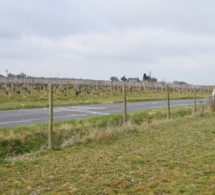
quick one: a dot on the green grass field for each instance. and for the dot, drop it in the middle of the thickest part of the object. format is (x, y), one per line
(151, 155)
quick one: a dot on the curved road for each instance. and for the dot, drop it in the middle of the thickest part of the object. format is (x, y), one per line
(14, 118)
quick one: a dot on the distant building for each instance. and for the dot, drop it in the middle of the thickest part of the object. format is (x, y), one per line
(6, 72)
(134, 79)
(114, 78)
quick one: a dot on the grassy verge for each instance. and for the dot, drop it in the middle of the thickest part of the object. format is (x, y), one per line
(36, 100)
(151, 155)
(25, 139)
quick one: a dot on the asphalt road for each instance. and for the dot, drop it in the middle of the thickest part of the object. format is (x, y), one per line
(14, 118)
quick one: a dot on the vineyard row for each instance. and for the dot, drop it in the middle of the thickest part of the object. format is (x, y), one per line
(66, 86)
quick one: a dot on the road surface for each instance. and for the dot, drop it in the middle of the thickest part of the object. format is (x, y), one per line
(14, 118)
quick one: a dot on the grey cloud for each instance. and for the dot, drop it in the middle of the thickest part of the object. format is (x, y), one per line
(46, 18)
(60, 18)
(97, 35)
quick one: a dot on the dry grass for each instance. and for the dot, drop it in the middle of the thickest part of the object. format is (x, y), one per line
(98, 134)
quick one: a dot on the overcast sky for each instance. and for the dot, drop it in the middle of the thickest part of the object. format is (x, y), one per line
(97, 39)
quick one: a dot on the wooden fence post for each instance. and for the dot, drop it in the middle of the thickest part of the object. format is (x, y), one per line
(124, 104)
(67, 88)
(195, 99)
(12, 87)
(111, 87)
(132, 87)
(139, 89)
(50, 116)
(168, 102)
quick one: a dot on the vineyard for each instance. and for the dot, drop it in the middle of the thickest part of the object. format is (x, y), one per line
(66, 86)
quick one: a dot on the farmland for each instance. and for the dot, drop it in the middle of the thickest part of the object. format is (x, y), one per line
(33, 93)
(65, 86)
(150, 155)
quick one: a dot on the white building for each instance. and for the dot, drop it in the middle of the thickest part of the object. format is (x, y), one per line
(6, 72)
